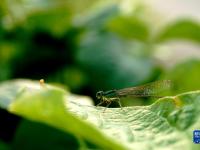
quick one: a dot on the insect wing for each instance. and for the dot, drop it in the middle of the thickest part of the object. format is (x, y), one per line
(148, 90)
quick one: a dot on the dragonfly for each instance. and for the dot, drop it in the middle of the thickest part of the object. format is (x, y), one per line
(147, 90)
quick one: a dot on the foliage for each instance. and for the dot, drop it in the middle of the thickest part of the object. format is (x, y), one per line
(182, 83)
(84, 48)
(183, 29)
(171, 119)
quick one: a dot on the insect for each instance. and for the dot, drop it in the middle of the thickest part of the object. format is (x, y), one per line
(147, 90)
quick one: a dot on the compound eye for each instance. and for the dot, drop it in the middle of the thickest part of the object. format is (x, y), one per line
(99, 94)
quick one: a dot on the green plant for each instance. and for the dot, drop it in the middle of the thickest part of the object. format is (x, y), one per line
(169, 122)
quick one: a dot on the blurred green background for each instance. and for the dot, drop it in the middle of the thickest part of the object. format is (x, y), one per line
(87, 46)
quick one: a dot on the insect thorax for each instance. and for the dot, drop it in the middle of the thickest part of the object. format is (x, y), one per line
(110, 94)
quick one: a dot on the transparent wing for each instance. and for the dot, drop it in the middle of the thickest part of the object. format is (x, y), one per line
(148, 90)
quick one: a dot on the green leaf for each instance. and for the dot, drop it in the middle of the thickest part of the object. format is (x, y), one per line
(47, 104)
(129, 27)
(183, 29)
(183, 80)
(111, 61)
(167, 123)
(54, 20)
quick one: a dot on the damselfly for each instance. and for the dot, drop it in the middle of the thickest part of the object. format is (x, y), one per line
(148, 90)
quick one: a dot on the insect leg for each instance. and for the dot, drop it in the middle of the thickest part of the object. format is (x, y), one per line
(118, 101)
(108, 104)
(100, 103)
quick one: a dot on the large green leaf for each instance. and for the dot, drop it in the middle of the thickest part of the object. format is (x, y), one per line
(166, 124)
(47, 105)
(111, 61)
(183, 29)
